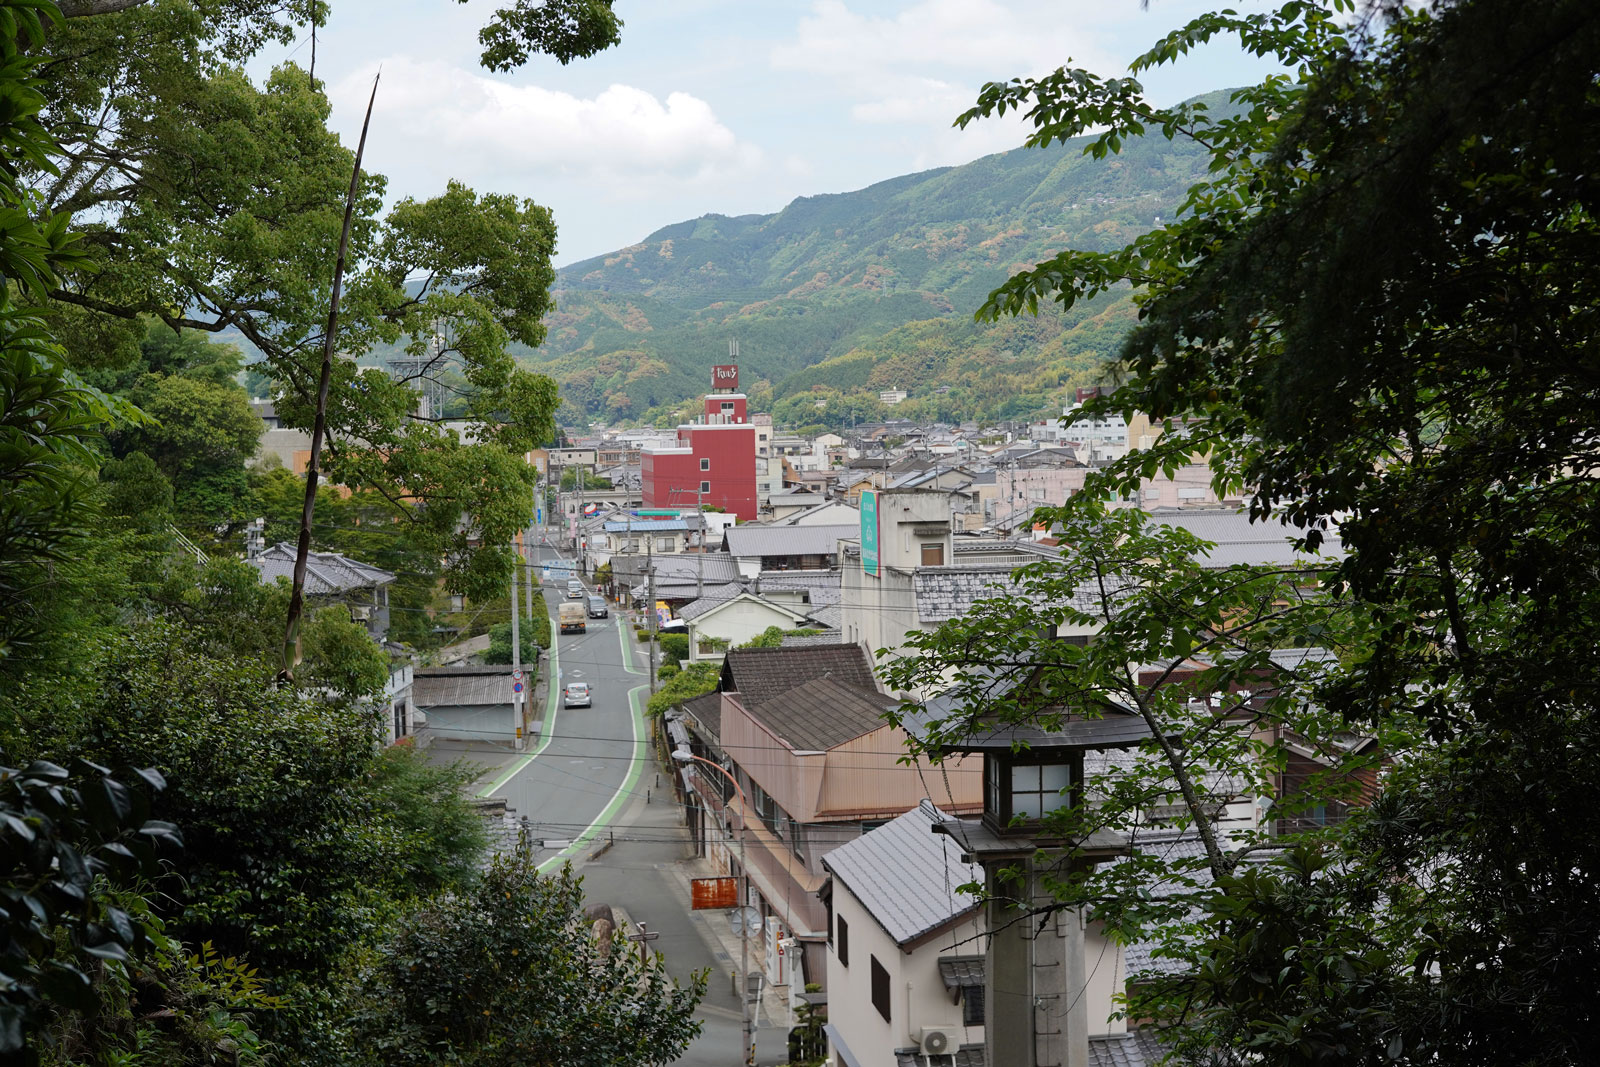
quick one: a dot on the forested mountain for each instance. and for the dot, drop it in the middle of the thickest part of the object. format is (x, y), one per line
(866, 290)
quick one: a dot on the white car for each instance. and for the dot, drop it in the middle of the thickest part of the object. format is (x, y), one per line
(576, 695)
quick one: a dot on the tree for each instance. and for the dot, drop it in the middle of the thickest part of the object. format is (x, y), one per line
(1376, 315)
(229, 222)
(535, 634)
(512, 973)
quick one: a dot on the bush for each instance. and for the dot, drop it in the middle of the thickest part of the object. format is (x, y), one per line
(535, 635)
(674, 646)
(694, 680)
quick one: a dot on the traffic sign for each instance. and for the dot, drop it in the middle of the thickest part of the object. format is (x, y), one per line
(516, 687)
(516, 675)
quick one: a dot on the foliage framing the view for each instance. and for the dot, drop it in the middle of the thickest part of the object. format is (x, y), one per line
(1377, 315)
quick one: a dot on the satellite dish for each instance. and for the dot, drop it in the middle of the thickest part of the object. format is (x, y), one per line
(740, 916)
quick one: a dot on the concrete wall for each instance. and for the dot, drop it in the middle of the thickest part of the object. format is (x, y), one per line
(738, 621)
(917, 996)
(470, 722)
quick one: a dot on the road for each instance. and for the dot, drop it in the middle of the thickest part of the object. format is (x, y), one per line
(592, 792)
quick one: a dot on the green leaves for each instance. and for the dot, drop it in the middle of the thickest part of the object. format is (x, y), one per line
(511, 972)
(563, 29)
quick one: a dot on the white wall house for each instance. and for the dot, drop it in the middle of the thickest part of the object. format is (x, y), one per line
(735, 620)
(905, 949)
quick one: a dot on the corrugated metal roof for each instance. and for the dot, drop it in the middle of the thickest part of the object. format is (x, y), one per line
(441, 687)
(752, 540)
(905, 875)
(821, 714)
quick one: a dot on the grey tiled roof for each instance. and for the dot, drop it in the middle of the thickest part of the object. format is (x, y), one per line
(831, 616)
(822, 713)
(706, 710)
(945, 593)
(905, 875)
(715, 596)
(958, 971)
(760, 674)
(441, 687)
(327, 573)
(1136, 1048)
(965, 1056)
(753, 540)
(826, 637)
(821, 586)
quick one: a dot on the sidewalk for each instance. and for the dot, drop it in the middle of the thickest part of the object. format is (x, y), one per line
(644, 875)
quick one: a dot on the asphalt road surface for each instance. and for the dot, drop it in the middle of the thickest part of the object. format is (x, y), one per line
(592, 794)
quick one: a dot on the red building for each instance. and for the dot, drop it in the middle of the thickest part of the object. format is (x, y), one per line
(714, 462)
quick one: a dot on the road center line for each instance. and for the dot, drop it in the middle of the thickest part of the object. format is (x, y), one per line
(551, 703)
(620, 797)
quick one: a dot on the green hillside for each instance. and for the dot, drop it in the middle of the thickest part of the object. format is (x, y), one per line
(854, 292)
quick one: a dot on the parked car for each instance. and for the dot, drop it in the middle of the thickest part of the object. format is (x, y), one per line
(598, 608)
(575, 589)
(576, 695)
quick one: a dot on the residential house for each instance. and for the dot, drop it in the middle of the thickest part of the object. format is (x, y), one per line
(332, 578)
(802, 731)
(905, 946)
(760, 548)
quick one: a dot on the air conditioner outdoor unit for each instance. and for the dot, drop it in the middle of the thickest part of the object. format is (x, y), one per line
(937, 1040)
(360, 614)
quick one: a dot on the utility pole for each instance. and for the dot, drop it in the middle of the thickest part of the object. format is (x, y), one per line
(535, 594)
(650, 575)
(700, 559)
(516, 651)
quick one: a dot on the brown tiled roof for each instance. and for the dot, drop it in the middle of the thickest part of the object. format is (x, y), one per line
(706, 710)
(760, 674)
(822, 713)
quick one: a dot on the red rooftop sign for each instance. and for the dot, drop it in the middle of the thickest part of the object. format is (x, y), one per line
(725, 376)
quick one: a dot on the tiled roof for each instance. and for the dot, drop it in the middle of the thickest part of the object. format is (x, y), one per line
(759, 674)
(958, 971)
(831, 616)
(1136, 1048)
(715, 596)
(905, 875)
(753, 540)
(822, 587)
(441, 687)
(945, 593)
(821, 713)
(327, 573)
(965, 1056)
(826, 637)
(706, 710)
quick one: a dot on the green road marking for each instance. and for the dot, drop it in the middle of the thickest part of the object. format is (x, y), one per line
(620, 797)
(551, 702)
(624, 633)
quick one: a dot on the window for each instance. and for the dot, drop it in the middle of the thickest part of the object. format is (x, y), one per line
(705, 464)
(880, 989)
(841, 941)
(972, 1005)
(933, 554)
(1039, 788)
(705, 487)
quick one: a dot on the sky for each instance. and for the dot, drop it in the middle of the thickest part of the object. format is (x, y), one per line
(717, 106)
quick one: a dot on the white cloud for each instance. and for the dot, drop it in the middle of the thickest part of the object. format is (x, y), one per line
(449, 119)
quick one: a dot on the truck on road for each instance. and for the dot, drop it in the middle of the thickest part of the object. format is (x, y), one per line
(574, 617)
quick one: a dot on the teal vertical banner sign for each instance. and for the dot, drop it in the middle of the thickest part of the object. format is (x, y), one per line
(869, 532)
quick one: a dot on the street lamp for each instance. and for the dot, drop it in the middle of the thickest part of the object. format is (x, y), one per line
(682, 756)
